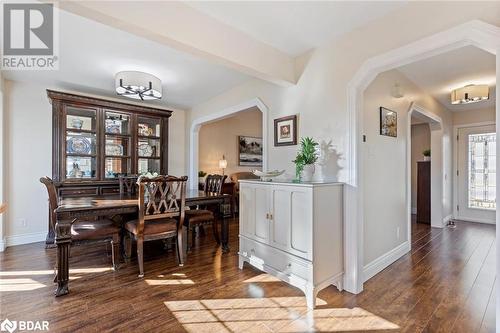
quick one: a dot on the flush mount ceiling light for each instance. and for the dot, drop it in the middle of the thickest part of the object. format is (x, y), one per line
(138, 85)
(470, 94)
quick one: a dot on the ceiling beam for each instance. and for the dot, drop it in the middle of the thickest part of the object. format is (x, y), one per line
(182, 27)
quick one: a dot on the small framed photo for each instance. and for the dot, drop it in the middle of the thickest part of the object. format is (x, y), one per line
(388, 122)
(285, 131)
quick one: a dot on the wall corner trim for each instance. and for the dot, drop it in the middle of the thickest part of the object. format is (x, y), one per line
(379, 264)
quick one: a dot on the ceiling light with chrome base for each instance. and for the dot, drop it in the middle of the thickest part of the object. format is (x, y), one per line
(138, 85)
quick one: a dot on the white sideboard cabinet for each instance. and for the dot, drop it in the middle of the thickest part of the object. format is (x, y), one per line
(293, 231)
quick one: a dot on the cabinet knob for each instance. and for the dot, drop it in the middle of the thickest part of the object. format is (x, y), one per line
(267, 216)
(270, 216)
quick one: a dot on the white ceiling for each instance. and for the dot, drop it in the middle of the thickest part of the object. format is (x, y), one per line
(295, 27)
(92, 53)
(439, 75)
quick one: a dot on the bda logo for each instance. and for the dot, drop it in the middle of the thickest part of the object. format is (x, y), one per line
(8, 325)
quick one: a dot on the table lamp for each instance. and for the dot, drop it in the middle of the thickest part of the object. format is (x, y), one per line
(223, 164)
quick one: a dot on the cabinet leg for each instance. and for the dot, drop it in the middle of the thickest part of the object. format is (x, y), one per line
(240, 262)
(311, 293)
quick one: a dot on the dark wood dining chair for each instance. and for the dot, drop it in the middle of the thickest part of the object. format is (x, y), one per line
(196, 218)
(161, 214)
(100, 230)
(128, 184)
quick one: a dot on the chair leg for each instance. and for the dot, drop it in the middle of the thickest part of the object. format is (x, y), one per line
(180, 248)
(216, 231)
(187, 238)
(140, 256)
(127, 247)
(115, 252)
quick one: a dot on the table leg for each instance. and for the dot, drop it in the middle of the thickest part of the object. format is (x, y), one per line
(63, 242)
(224, 231)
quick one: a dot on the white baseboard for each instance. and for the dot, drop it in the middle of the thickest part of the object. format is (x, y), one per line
(379, 264)
(25, 238)
(474, 220)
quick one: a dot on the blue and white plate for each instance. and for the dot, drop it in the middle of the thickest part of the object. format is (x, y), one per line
(79, 145)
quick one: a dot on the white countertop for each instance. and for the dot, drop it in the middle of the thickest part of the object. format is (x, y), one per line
(290, 183)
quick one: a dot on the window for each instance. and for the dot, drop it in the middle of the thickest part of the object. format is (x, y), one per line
(482, 171)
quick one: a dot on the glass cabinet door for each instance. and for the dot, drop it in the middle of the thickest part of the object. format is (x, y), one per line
(148, 145)
(81, 143)
(117, 147)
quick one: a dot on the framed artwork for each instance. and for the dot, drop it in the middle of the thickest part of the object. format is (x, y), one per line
(250, 151)
(388, 122)
(285, 131)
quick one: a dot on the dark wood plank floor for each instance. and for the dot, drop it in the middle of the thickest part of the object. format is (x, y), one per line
(446, 284)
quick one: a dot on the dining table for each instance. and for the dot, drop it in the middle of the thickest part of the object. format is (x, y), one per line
(72, 209)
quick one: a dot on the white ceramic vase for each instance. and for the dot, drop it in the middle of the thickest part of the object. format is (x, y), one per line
(308, 172)
(427, 158)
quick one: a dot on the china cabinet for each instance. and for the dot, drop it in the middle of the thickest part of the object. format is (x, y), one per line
(96, 140)
(293, 231)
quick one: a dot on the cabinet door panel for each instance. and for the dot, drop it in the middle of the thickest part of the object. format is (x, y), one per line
(301, 223)
(280, 224)
(261, 212)
(247, 211)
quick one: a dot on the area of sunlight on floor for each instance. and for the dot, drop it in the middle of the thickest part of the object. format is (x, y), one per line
(22, 281)
(19, 284)
(273, 314)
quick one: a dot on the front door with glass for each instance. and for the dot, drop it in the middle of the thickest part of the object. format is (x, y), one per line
(476, 186)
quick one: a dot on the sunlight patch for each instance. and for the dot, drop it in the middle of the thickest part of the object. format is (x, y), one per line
(274, 314)
(19, 285)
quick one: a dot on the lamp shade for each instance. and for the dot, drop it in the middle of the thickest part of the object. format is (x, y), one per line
(470, 94)
(223, 163)
(138, 85)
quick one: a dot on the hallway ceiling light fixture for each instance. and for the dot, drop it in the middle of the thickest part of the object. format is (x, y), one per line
(470, 94)
(138, 85)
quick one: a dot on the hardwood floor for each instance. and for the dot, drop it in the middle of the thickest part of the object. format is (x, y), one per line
(446, 284)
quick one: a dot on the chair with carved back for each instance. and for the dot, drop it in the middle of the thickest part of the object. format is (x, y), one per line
(128, 184)
(99, 230)
(161, 214)
(200, 217)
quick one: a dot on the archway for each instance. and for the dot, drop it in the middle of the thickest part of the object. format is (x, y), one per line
(437, 166)
(197, 123)
(475, 33)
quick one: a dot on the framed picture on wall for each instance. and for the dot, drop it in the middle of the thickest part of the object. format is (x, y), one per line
(250, 151)
(388, 122)
(285, 131)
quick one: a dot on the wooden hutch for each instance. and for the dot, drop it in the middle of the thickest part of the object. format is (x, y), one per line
(96, 140)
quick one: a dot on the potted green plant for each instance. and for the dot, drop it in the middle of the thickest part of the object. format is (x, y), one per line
(201, 177)
(427, 155)
(305, 159)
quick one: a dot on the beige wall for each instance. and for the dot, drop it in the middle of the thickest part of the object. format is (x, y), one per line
(221, 138)
(384, 159)
(420, 141)
(474, 116)
(28, 149)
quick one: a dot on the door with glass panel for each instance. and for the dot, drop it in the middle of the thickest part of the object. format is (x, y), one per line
(476, 186)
